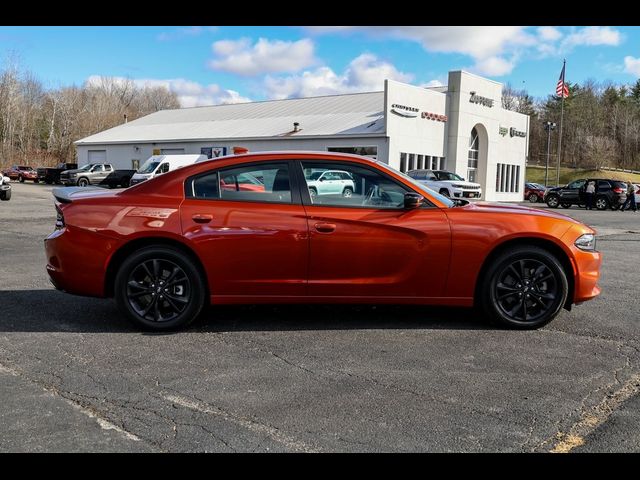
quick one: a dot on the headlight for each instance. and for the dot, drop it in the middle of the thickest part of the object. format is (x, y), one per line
(586, 242)
(456, 186)
(73, 174)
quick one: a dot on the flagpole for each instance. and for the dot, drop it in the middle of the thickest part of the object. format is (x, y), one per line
(564, 64)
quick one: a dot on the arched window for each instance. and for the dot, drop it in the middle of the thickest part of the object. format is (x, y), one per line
(474, 150)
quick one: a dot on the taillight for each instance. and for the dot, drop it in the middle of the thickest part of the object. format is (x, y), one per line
(619, 190)
(59, 218)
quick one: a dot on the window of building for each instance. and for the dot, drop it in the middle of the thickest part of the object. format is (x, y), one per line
(507, 178)
(171, 151)
(474, 150)
(370, 151)
(135, 164)
(412, 165)
(403, 162)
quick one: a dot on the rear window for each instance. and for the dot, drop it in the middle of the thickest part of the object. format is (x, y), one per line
(620, 185)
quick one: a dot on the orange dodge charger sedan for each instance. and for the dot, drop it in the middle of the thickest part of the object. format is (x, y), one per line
(246, 229)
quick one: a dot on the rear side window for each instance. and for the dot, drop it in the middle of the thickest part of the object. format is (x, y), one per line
(250, 183)
(603, 185)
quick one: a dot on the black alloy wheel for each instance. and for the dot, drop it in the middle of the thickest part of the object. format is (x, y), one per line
(526, 288)
(160, 288)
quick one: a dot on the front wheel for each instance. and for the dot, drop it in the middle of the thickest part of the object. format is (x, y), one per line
(553, 201)
(524, 288)
(444, 191)
(21, 179)
(83, 182)
(159, 288)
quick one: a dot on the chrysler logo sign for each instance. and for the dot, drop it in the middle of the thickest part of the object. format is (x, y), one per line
(404, 111)
(487, 102)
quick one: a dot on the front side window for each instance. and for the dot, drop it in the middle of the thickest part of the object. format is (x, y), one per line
(98, 168)
(352, 186)
(164, 168)
(448, 176)
(250, 183)
(577, 184)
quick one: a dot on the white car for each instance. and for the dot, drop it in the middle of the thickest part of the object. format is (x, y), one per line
(331, 182)
(447, 183)
(5, 188)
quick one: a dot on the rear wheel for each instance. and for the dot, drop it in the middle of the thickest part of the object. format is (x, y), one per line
(159, 288)
(553, 201)
(21, 179)
(602, 203)
(524, 288)
(533, 198)
(347, 192)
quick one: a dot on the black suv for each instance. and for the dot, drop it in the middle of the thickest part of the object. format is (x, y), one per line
(609, 194)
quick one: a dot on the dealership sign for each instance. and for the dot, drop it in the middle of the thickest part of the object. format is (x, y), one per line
(517, 133)
(404, 111)
(434, 116)
(487, 102)
(504, 131)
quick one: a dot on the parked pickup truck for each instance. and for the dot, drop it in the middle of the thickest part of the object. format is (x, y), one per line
(97, 174)
(52, 175)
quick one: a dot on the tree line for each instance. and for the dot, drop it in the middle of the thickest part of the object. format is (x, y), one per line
(601, 126)
(38, 126)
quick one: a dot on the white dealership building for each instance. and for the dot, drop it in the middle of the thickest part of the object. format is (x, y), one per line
(460, 127)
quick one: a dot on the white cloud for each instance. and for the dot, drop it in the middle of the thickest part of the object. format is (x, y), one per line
(189, 93)
(632, 65)
(549, 34)
(265, 56)
(432, 83)
(493, 66)
(364, 73)
(185, 32)
(593, 36)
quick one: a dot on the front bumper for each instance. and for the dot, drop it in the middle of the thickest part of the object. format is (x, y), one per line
(470, 194)
(69, 182)
(586, 268)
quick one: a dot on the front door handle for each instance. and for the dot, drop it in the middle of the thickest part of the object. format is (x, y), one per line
(325, 227)
(202, 218)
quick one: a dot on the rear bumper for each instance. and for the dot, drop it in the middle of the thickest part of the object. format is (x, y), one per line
(76, 261)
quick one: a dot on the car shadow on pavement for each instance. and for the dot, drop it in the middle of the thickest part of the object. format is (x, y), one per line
(53, 311)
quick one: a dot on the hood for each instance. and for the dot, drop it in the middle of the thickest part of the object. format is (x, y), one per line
(517, 209)
(67, 172)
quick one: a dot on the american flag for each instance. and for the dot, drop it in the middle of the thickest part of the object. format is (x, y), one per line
(562, 89)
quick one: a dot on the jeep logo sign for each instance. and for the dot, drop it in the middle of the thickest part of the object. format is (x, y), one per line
(517, 133)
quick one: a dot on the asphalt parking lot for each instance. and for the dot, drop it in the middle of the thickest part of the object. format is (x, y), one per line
(75, 376)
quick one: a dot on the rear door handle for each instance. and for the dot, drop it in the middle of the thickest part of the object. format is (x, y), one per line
(325, 227)
(202, 218)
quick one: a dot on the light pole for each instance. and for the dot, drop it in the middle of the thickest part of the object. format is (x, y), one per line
(548, 126)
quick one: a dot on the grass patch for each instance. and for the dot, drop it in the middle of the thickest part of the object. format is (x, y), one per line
(536, 175)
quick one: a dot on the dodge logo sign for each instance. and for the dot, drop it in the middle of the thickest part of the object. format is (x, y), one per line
(434, 116)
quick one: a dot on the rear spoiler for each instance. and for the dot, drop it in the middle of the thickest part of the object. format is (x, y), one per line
(64, 194)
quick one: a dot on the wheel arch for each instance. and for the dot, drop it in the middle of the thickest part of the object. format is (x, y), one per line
(546, 244)
(136, 244)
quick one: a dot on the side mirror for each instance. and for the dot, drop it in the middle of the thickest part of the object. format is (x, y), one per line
(322, 179)
(413, 200)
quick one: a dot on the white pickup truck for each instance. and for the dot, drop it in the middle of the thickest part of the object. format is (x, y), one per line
(447, 183)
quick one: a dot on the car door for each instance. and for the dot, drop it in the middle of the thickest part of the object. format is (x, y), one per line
(252, 238)
(571, 193)
(367, 245)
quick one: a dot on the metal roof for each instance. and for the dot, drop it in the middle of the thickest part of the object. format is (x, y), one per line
(336, 115)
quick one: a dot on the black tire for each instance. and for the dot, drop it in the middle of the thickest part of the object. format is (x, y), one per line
(48, 181)
(21, 179)
(565, 205)
(553, 201)
(347, 192)
(35, 180)
(533, 198)
(83, 182)
(138, 287)
(504, 288)
(313, 192)
(444, 191)
(5, 196)
(126, 183)
(602, 203)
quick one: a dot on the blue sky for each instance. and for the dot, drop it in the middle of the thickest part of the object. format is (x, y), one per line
(208, 65)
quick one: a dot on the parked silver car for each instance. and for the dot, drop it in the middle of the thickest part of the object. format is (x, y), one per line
(5, 188)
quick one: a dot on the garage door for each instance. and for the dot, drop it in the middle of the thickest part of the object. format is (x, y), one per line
(172, 151)
(97, 156)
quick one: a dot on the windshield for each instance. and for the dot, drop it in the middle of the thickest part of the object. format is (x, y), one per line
(419, 186)
(86, 167)
(443, 176)
(315, 176)
(149, 166)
